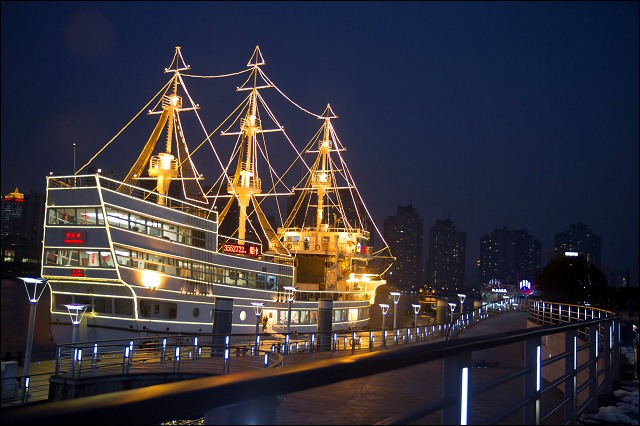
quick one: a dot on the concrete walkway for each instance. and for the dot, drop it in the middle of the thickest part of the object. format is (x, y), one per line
(372, 399)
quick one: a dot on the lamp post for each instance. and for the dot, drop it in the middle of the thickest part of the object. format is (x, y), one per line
(452, 306)
(76, 312)
(462, 297)
(416, 311)
(291, 294)
(396, 299)
(257, 308)
(35, 288)
(385, 309)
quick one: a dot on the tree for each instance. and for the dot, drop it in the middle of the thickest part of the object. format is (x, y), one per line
(572, 280)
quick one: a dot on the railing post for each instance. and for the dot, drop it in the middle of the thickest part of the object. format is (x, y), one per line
(570, 365)
(532, 380)
(94, 357)
(58, 354)
(616, 349)
(608, 346)
(125, 360)
(225, 363)
(456, 392)
(78, 359)
(176, 359)
(593, 368)
(73, 363)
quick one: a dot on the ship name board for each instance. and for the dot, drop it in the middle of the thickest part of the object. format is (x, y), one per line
(240, 249)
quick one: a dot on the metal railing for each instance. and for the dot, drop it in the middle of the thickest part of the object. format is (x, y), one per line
(587, 367)
(176, 353)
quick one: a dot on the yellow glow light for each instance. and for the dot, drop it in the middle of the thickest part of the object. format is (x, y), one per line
(150, 279)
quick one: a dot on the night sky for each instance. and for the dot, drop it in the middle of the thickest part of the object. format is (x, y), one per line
(512, 114)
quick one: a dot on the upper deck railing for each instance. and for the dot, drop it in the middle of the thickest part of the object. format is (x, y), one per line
(588, 365)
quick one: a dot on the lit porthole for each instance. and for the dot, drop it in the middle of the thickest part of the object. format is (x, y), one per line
(211, 314)
(196, 312)
(243, 315)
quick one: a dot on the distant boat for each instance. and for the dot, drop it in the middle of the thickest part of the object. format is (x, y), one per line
(151, 254)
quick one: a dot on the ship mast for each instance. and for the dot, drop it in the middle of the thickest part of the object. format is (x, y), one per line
(245, 183)
(163, 167)
(323, 177)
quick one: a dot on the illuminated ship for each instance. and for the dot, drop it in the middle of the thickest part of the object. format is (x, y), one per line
(159, 252)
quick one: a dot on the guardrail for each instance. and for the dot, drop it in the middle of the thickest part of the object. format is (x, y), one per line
(217, 354)
(588, 367)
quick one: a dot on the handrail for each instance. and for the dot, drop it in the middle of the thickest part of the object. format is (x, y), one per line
(233, 394)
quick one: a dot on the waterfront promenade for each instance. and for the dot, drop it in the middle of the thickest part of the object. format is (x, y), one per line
(367, 400)
(370, 399)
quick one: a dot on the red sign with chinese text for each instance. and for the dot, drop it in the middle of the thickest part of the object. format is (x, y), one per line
(240, 249)
(74, 237)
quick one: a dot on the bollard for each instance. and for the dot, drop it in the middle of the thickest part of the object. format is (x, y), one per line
(94, 357)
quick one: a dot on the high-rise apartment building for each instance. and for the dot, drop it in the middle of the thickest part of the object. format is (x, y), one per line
(22, 232)
(446, 260)
(12, 210)
(509, 256)
(580, 239)
(404, 233)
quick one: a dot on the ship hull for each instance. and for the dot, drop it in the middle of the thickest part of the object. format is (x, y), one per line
(144, 268)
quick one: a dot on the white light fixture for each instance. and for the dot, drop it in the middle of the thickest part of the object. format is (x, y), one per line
(76, 313)
(396, 298)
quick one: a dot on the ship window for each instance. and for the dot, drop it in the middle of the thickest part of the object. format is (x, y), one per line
(106, 259)
(170, 231)
(123, 306)
(117, 218)
(144, 309)
(155, 227)
(198, 238)
(138, 224)
(102, 305)
(86, 216)
(51, 257)
(196, 312)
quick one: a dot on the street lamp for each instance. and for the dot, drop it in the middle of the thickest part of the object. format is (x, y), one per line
(396, 299)
(291, 294)
(257, 308)
(35, 288)
(385, 309)
(452, 306)
(462, 297)
(76, 312)
(416, 311)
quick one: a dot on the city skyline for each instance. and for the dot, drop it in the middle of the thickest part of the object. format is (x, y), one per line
(522, 115)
